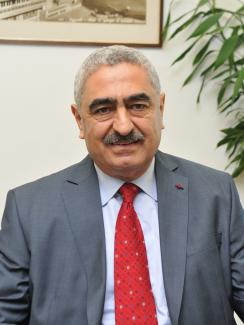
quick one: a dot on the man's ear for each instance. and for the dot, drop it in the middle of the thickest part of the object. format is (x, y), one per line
(79, 119)
(161, 108)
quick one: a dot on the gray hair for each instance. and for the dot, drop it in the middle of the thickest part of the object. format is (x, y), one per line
(112, 55)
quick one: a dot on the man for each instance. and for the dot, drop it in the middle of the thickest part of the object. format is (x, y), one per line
(130, 235)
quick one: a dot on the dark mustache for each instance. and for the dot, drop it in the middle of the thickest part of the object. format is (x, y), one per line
(116, 138)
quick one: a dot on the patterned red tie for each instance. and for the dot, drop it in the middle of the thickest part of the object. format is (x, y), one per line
(134, 301)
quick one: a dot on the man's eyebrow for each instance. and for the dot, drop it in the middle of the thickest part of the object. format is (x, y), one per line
(101, 101)
(139, 96)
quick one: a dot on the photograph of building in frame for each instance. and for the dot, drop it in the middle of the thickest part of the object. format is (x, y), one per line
(29, 20)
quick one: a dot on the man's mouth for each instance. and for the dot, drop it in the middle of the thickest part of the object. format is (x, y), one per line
(124, 143)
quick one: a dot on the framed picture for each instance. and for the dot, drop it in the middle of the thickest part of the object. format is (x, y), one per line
(131, 22)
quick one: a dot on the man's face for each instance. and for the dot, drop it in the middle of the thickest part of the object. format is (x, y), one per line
(119, 101)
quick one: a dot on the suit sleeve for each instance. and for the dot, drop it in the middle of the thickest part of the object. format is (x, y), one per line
(237, 252)
(14, 267)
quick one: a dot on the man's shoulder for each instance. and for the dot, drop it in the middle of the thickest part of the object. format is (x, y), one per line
(191, 169)
(55, 180)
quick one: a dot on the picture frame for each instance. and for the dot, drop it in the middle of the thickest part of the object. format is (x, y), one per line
(76, 22)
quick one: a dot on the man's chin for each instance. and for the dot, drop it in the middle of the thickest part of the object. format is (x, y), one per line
(126, 167)
(127, 162)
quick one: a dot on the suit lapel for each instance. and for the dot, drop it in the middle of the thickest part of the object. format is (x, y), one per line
(173, 219)
(83, 204)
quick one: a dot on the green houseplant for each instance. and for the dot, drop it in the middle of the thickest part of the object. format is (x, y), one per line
(216, 37)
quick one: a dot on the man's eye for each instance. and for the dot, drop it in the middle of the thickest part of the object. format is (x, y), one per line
(138, 107)
(103, 110)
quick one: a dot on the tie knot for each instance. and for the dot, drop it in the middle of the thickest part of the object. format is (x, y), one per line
(128, 192)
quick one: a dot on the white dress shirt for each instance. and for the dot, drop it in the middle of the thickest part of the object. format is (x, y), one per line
(146, 207)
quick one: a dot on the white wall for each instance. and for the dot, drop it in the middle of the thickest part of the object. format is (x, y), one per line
(38, 135)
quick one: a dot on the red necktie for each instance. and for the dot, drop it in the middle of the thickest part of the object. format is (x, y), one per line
(134, 301)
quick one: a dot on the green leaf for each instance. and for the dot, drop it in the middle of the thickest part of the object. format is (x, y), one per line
(185, 24)
(234, 146)
(191, 75)
(234, 140)
(222, 142)
(239, 62)
(201, 89)
(207, 70)
(166, 26)
(220, 74)
(226, 50)
(215, 31)
(228, 100)
(202, 51)
(241, 9)
(240, 41)
(182, 55)
(239, 157)
(238, 171)
(240, 167)
(238, 83)
(230, 103)
(232, 77)
(206, 24)
(222, 91)
(201, 3)
(182, 16)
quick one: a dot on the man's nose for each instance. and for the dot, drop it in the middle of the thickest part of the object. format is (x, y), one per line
(122, 121)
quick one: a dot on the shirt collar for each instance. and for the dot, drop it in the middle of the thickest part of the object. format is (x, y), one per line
(109, 186)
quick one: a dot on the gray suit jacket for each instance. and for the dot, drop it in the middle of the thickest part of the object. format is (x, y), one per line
(52, 247)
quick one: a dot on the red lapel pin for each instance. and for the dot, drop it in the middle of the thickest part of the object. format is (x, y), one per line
(179, 186)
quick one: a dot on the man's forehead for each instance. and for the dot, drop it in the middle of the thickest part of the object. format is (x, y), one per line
(127, 73)
(112, 67)
(132, 79)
